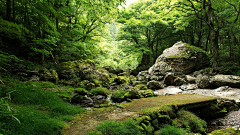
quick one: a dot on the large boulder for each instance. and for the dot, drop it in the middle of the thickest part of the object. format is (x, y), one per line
(184, 58)
(174, 63)
(225, 80)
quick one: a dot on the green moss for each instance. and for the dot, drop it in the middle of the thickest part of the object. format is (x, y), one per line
(100, 91)
(141, 87)
(228, 131)
(118, 95)
(190, 122)
(81, 91)
(147, 93)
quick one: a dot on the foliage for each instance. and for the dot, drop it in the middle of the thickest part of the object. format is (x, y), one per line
(190, 122)
(100, 91)
(170, 130)
(38, 110)
(127, 127)
(229, 67)
(228, 131)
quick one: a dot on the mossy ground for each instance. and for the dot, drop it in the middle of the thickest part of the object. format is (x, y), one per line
(144, 103)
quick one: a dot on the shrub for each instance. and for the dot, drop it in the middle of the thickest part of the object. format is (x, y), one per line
(190, 122)
(170, 130)
(100, 91)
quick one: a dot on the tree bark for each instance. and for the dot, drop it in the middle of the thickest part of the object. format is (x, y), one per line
(8, 11)
(213, 40)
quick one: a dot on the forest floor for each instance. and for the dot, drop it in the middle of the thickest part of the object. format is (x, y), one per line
(92, 117)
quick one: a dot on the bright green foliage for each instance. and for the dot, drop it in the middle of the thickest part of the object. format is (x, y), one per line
(37, 110)
(127, 127)
(100, 91)
(170, 130)
(228, 131)
(190, 122)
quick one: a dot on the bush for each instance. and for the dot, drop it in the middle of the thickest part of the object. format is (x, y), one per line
(100, 91)
(170, 130)
(190, 122)
(127, 127)
(118, 95)
(230, 68)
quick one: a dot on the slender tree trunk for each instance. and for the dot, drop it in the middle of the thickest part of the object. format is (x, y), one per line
(145, 60)
(213, 41)
(13, 7)
(8, 11)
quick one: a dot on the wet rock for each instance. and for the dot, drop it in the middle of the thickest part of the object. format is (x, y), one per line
(143, 76)
(189, 87)
(169, 79)
(190, 79)
(223, 88)
(203, 81)
(82, 100)
(225, 80)
(155, 85)
(179, 81)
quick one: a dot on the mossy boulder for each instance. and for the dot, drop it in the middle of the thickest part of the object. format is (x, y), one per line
(110, 69)
(86, 84)
(73, 69)
(147, 93)
(118, 95)
(48, 75)
(121, 80)
(132, 94)
(100, 91)
(141, 87)
(99, 76)
(184, 58)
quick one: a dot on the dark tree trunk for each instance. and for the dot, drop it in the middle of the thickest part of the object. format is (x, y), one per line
(13, 7)
(213, 41)
(145, 60)
(8, 11)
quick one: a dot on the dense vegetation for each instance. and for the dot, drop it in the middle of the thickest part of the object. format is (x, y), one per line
(39, 34)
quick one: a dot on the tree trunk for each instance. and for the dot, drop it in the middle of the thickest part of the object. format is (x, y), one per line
(145, 60)
(13, 7)
(8, 11)
(213, 40)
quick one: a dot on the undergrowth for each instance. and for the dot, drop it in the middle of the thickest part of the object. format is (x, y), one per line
(38, 111)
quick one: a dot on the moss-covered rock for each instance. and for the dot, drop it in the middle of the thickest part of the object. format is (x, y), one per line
(147, 93)
(100, 91)
(141, 87)
(73, 69)
(118, 95)
(154, 85)
(227, 131)
(86, 84)
(48, 75)
(121, 80)
(132, 94)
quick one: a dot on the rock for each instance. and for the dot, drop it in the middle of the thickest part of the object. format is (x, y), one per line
(48, 75)
(225, 80)
(121, 80)
(73, 69)
(172, 90)
(159, 68)
(179, 81)
(34, 78)
(143, 76)
(155, 85)
(82, 100)
(189, 87)
(141, 87)
(88, 109)
(203, 81)
(87, 84)
(221, 89)
(132, 94)
(169, 79)
(184, 58)
(147, 93)
(190, 79)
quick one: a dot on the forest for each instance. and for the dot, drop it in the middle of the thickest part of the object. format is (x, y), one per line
(40, 35)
